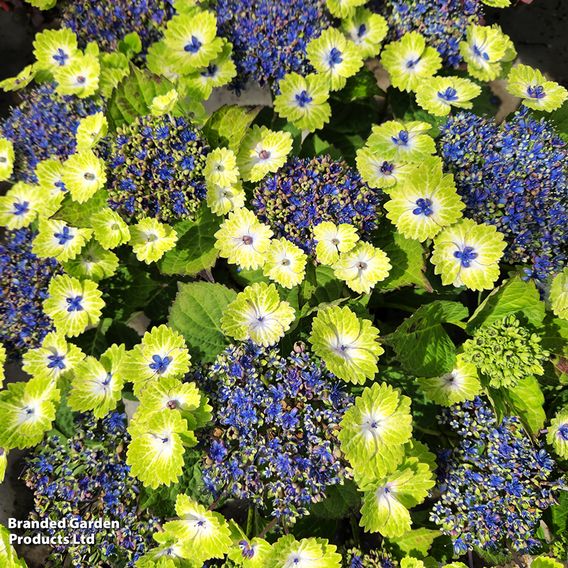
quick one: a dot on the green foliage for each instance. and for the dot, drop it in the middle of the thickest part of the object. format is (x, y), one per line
(228, 126)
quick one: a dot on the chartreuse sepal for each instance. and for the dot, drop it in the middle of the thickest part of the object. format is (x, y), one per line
(468, 254)
(557, 435)
(348, 345)
(3, 357)
(221, 167)
(59, 240)
(83, 175)
(155, 454)
(258, 314)
(304, 100)
(164, 104)
(537, 93)
(263, 151)
(425, 202)
(49, 175)
(285, 263)
(91, 130)
(191, 41)
(21, 80)
(97, 384)
(366, 30)
(439, 94)
(410, 61)
(80, 77)
(460, 384)
(27, 410)
(94, 262)
(167, 555)
(73, 305)
(334, 57)
(202, 534)
(151, 240)
(243, 240)
(6, 159)
(109, 228)
(362, 267)
(380, 172)
(254, 553)
(485, 50)
(55, 358)
(399, 141)
(386, 501)
(332, 240)
(375, 429)
(224, 199)
(54, 49)
(20, 206)
(559, 294)
(162, 353)
(287, 552)
(343, 8)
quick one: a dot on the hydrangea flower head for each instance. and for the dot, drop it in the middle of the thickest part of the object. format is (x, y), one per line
(379, 172)
(108, 24)
(503, 182)
(73, 305)
(263, 151)
(20, 206)
(320, 189)
(258, 314)
(80, 77)
(362, 267)
(468, 254)
(223, 199)
(221, 167)
(366, 30)
(243, 239)
(334, 57)
(424, 202)
(347, 344)
(261, 403)
(485, 50)
(460, 384)
(54, 49)
(304, 101)
(269, 38)
(25, 281)
(285, 263)
(402, 141)
(495, 484)
(287, 551)
(439, 94)
(43, 126)
(537, 93)
(91, 130)
(505, 352)
(443, 23)
(332, 240)
(150, 240)
(83, 175)
(156, 168)
(93, 263)
(409, 61)
(557, 435)
(109, 228)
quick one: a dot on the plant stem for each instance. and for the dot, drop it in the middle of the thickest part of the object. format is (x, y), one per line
(250, 519)
(269, 526)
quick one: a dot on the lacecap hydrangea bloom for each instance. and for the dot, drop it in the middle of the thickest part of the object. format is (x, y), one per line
(505, 352)
(43, 126)
(505, 183)
(108, 24)
(25, 282)
(495, 484)
(307, 191)
(86, 477)
(270, 38)
(261, 402)
(156, 168)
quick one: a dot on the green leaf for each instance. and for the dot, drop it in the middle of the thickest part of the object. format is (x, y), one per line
(416, 542)
(422, 344)
(340, 500)
(560, 514)
(196, 314)
(559, 118)
(195, 249)
(407, 259)
(515, 296)
(79, 214)
(131, 44)
(228, 125)
(321, 286)
(362, 86)
(526, 400)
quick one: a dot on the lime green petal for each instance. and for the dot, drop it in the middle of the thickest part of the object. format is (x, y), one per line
(379, 172)
(366, 30)
(334, 239)
(348, 345)
(288, 552)
(438, 95)
(109, 229)
(243, 240)
(49, 175)
(6, 159)
(221, 167)
(559, 294)
(169, 393)
(258, 314)
(224, 199)
(91, 130)
(285, 263)
(263, 151)
(251, 554)
(161, 354)
(56, 358)
(375, 429)
(21, 80)
(93, 263)
(557, 435)
(409, 61)
(398, 141)
(497, 3)
(54, 49)
(73, 305)
(537, 93)
(150, 240)
(20, 206)
(80, 77)
(164, 104)
(59, 240)
(83, 175)
(343, 8)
